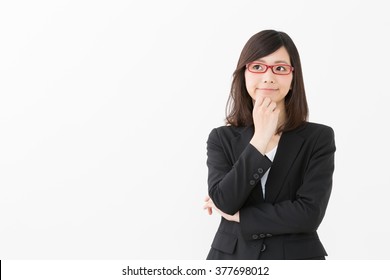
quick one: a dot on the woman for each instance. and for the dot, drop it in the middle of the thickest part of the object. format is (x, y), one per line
(270, 170)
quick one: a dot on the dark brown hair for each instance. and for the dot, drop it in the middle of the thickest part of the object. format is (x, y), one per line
(240, 106)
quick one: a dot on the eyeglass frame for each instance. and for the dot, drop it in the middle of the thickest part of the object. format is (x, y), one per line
(269, 66)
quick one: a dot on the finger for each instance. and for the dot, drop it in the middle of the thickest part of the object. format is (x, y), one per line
(259, 100)
(267, 102)
(208, 204)
(210, 201)
(209, 209)
(272, 106)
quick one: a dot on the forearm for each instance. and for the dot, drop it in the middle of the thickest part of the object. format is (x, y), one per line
(283, 218)
(230, 191)
(302, 214)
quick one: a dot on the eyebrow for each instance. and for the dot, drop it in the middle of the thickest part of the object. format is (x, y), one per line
(277, 61)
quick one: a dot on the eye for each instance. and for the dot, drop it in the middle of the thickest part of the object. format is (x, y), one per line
(256, 67)
(282, 69)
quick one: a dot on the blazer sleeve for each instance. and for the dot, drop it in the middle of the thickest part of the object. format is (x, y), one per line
(306, 212)
(230, 184)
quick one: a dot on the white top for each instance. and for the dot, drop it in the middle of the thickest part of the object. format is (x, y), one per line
(271, 156)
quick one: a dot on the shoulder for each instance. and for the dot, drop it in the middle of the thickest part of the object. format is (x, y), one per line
(317, 134)
(228, 132)
(310, 128)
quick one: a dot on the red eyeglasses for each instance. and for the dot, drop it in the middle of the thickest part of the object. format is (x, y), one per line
(278, 69)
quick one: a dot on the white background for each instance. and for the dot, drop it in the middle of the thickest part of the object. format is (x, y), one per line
(106, 106)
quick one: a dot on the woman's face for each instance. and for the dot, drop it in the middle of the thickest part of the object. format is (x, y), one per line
(268, 84)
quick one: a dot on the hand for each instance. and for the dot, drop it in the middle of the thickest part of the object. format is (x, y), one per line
(265, 118)
(209, 205)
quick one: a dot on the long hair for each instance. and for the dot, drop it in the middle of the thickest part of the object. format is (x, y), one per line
(240, 105)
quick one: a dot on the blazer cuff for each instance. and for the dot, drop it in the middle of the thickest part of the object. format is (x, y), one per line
(258, 164)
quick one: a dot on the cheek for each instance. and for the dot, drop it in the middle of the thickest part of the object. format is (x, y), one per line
(251, 89)
(290, 83)
(287, 83)
(250, 83)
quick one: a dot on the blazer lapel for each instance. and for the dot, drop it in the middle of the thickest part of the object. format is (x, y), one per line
(289, 145)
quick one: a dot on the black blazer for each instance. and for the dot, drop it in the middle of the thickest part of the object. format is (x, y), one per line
(283, 224)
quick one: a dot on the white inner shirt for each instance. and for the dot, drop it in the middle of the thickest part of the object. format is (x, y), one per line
(271, 156)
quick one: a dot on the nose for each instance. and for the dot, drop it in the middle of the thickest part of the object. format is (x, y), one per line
(268, 76)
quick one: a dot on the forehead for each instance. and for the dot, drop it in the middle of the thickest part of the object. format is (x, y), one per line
(279, 56)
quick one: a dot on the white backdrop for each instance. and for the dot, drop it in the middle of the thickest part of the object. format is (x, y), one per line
(106, 106)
